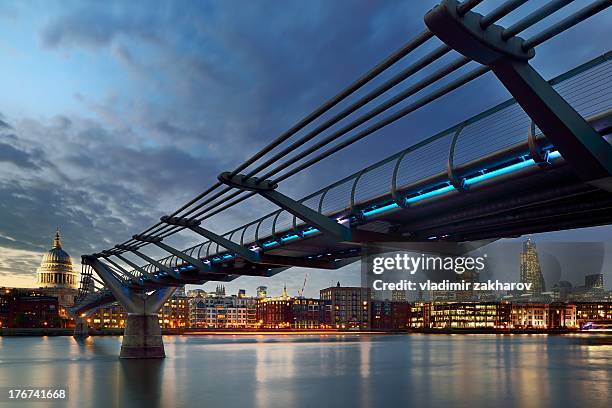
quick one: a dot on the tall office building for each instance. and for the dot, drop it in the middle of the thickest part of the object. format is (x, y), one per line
(531, 272)
(594, 281)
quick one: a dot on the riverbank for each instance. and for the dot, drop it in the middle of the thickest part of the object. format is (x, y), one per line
(208, 332)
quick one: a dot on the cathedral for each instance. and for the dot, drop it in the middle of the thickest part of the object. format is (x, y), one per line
(56, 276)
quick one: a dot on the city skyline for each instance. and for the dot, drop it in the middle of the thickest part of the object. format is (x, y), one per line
(101, 75)
(505, 262)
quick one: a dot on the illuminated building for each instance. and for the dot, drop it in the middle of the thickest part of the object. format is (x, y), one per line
(174, 313)
(385, 315)
(530, 315)
(275, 313)
(56, 278)
(531, 271)
(588, 313)
(28, 308)
(197, 310)
(562, 316)
(196, 292)
(5, 303)
(470, 315)
(56, 268)
(350, 306)
(109, 317)
(419, 315)
(311, 313)
(216, 310)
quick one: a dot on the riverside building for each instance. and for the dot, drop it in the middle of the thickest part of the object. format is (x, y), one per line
(350, 306)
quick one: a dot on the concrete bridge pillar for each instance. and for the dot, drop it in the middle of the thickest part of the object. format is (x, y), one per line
(81, 330)
(142, 335)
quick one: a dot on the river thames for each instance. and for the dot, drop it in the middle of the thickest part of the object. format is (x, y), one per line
(319, 371)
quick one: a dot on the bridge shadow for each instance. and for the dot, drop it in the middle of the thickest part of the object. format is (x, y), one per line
(141, 383)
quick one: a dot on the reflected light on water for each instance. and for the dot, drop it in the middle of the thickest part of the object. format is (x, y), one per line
(305, 371)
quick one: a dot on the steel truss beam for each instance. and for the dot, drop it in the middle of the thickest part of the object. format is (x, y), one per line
(160, 266)
(243, 252)
(508, 57)
(157, 241)
(140, 269)
(266, 189)
(132, 277)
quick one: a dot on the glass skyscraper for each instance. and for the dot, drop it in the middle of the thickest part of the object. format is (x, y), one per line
(531, 272)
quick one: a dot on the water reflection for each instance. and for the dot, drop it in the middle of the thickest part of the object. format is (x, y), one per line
(306, 371)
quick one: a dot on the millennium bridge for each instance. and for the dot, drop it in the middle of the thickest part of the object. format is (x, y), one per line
(541, 161)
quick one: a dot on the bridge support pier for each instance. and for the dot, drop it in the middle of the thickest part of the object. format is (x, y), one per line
(142, 335)
(81, 330)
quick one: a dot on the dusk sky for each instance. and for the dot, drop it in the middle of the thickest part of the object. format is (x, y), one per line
(115, 113)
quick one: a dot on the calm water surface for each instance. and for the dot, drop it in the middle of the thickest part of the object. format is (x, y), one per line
(320, 371)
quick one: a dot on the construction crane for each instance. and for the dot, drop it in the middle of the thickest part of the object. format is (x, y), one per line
(301, 291)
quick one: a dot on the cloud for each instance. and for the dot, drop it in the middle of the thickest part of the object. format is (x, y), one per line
(20, 158)
(15, 263)
(93, 27)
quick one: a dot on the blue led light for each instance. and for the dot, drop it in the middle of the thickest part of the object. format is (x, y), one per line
(310, 231)
(270, 244)
(289, 238)
(227, 256)
(429, 194)
(499, 172)
(379, 210)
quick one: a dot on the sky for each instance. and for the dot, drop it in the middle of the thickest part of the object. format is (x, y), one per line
(115, 113)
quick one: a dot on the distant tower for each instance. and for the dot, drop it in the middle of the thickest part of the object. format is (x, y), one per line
(594, 281)
(285, 294)
(531, 272)
(262, 292)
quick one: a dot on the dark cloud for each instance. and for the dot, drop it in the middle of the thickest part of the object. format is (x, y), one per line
(20, 158)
